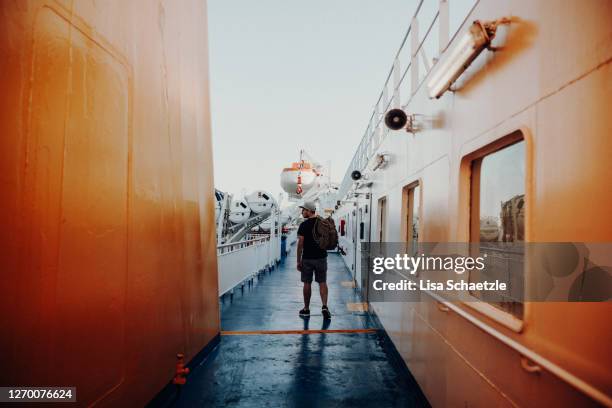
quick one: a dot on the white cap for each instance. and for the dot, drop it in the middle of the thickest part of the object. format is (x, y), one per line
(309, 205)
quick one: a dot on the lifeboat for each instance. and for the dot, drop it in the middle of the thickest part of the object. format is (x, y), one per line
(298, 179)
(285, 218)
(239, 211)
(489, 229)
(260, 201)
(265, 226)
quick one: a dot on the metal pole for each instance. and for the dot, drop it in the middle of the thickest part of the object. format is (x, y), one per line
(414, 58)
(396, 82)
(443, 25)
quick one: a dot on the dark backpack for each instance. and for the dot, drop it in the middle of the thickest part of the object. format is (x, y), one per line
(324, 233)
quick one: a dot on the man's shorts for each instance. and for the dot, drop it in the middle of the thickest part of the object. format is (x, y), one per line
(318, 266)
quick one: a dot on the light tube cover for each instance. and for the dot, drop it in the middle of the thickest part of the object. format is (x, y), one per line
(469, 46)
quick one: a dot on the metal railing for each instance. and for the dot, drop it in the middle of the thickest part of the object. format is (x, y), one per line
(239, 261)
(231, 247)
(448, 17)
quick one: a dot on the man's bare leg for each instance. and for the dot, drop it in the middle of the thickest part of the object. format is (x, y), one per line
(323, 292)
(307, 293)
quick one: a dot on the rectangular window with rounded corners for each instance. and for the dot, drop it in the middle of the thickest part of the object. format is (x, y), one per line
(497, 214)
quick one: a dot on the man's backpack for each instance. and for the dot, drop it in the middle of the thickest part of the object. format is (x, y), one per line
(324, 233)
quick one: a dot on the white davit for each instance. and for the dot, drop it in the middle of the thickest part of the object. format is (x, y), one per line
(239, 211)
(260, 201)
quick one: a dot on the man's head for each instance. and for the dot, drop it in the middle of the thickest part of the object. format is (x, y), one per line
(308, 209)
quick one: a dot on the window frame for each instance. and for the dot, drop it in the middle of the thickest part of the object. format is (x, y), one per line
(470, 205)
(408, 210)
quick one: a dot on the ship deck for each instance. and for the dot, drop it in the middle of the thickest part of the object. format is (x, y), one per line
(269, 356)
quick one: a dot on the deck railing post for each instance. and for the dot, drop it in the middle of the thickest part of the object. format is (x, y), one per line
(443, 25)
(396, 83)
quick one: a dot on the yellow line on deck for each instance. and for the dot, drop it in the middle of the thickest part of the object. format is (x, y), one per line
(257, 332)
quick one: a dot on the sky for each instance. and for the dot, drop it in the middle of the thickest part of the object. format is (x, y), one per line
(287, 75)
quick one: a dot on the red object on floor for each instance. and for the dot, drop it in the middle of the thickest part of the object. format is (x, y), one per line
(181, 370)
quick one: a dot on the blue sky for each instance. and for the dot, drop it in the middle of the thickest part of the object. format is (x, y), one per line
(292, 74)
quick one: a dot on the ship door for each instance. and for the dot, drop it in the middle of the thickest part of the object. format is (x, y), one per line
(411, 211)
(360, 239)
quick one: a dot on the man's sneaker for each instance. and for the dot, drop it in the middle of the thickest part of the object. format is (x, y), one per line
(325, 313)
(305, 312)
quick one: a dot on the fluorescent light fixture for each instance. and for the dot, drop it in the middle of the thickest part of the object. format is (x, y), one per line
(469, 46)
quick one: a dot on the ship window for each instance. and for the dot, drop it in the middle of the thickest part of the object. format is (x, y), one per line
(243, 205)
(497, 215)
(265, 196)
(382, 218)
(411, 215)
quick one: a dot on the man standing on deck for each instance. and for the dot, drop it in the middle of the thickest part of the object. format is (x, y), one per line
(311, 259)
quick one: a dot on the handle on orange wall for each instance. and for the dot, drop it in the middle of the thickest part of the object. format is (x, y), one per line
(529, 366)
(442, 307)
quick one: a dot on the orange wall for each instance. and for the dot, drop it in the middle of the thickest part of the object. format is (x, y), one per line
(108, 250)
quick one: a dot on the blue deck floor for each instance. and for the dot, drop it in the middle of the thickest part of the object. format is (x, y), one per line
(298, 370)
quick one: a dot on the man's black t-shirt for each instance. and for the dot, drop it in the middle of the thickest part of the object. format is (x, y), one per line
(311, 249)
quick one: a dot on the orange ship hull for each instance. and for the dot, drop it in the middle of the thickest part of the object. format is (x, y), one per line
(108, 238)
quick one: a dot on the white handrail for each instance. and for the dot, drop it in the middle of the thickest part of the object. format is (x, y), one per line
(241, 261)
(221, 249)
